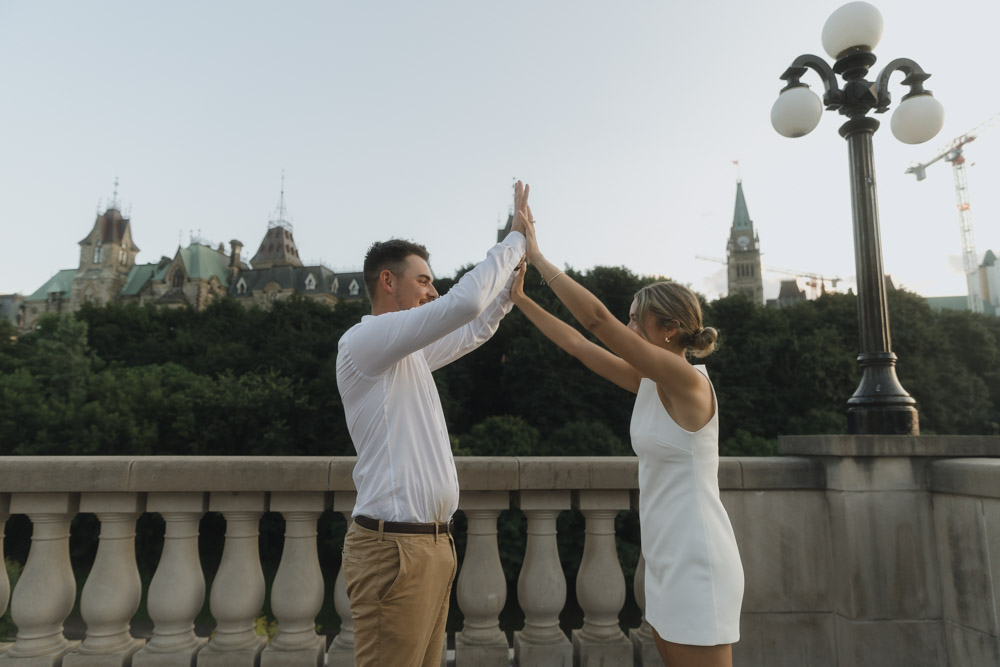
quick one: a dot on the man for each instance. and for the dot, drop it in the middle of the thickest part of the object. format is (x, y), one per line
(399, 556)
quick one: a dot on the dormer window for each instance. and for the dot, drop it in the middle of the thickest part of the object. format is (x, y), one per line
(98, 253)
(241, 287)
(178, 279)
(122, 256)
(353, 288)
(310, 282)
(335, 287)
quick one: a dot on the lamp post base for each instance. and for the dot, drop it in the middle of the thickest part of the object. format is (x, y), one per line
(880, 405)
(883, 420)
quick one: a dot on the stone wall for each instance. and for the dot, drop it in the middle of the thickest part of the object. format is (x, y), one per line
(857, 550)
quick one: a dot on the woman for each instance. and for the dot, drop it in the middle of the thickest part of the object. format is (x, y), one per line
(694, 578)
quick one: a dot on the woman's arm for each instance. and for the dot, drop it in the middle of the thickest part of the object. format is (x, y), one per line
(670, 371)
(594, 357)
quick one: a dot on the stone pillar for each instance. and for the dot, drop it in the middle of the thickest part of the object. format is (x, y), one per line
(297, 591)
(341, 653)
(238, 589)
(482, 589)
(541, 585)
(177, 592)
(46, 590)
(886, 578)
(644, 651)
(113, 589)
(600, 584)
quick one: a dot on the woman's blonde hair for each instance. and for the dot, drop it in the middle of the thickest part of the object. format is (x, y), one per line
(672, 303)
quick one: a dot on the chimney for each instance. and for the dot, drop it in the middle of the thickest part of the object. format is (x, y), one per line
(234, 257)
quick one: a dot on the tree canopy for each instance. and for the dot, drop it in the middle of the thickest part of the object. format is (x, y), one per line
(230, 380)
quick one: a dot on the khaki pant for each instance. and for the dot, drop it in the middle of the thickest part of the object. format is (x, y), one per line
(399, 586)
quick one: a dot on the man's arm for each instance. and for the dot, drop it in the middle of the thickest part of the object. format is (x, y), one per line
(389, 337)
(466, 339)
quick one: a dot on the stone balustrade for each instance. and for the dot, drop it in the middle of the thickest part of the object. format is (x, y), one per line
(856, 551)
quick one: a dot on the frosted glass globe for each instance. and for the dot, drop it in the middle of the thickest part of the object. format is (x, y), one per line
(854, 24)
(917, 119)
(796, 112)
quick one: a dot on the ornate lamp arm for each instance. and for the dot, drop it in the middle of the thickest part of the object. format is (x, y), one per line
(915, 77)
(833, 96)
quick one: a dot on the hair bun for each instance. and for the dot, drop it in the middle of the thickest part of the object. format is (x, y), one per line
(703, 341)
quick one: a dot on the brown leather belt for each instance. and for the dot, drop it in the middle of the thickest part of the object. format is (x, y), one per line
(404, 527)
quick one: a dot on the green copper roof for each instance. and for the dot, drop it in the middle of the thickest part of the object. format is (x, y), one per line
(940, 303)
(741, 217)
(61, 282)
(202, 262)
(137, 278)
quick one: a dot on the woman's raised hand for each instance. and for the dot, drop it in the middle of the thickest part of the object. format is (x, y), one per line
(532, 251)
(517, 287)
(521, 192)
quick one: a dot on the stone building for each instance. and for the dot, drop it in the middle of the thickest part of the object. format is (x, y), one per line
(743, 253)
(192, 278)
(789, 294)
(989, 284)
(107, 257)
(276, 271)
(197, 275)
(10, 309)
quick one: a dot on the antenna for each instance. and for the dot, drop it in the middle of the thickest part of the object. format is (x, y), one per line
(281, 220)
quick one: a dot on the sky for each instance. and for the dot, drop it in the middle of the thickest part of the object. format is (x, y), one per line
(411, 119)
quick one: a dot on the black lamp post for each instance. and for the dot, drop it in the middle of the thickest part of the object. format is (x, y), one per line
(880, 405)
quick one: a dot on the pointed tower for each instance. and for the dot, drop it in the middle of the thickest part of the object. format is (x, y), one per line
(107, 255)
(278, 247)
(743, 253)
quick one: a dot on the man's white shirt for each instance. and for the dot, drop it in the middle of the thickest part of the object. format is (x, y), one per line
(405, 469)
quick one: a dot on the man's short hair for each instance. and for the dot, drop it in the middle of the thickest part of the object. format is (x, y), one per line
(390, 255)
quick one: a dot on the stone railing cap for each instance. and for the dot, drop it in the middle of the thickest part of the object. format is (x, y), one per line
(180, 474)
(890, 445)
(970, 477)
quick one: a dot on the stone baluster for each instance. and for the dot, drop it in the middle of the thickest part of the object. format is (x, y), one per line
(113, 590)
(341, 653)
(237, 593)
(541, 585)
(297, 591)
(600, 584)
(482, 588)
(4, 580)
(46, 589)
(643, 645)
(177, 592)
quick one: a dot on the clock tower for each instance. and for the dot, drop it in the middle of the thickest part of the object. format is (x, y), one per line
(743, 253)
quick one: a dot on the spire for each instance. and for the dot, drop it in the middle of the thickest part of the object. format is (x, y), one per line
(278, 247)
(113, 204)
(280, 220)
(741, 217)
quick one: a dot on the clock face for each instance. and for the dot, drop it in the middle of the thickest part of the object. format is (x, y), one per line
(743, 242)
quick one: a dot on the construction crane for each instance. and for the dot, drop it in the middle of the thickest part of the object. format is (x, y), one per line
(815, 279)
(953, 153)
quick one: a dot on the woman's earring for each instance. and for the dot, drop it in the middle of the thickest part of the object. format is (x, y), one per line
(667, 339)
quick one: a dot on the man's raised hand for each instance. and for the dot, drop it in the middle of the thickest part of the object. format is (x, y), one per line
(521, 192)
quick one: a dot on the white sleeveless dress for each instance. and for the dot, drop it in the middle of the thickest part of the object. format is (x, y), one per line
(694, 577)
